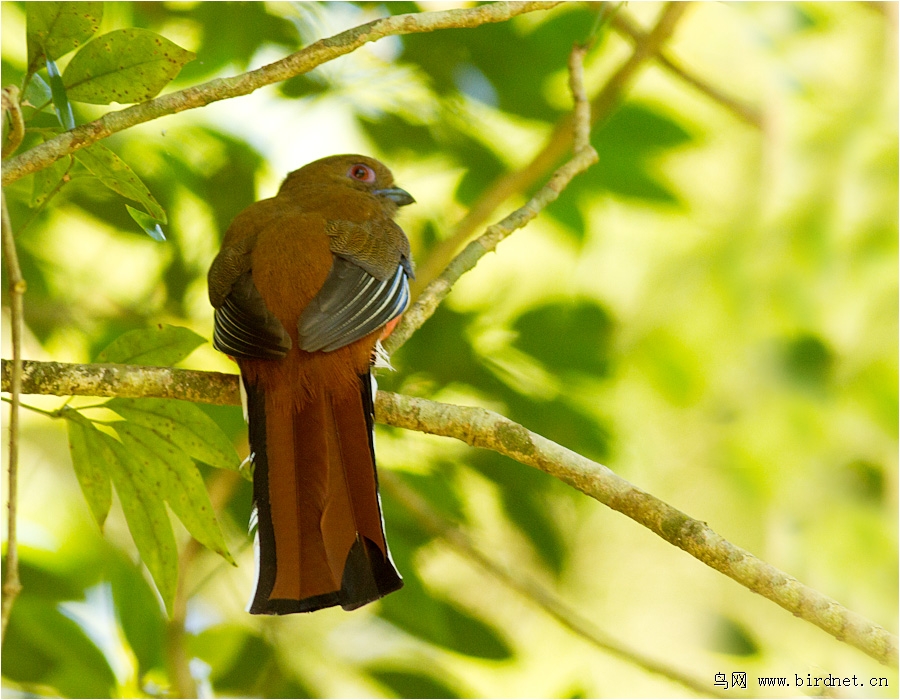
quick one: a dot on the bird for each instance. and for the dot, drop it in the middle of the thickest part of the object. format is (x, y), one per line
(303, 287)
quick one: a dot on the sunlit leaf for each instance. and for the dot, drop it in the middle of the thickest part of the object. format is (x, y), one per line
(173, 476)
(55, 28)
(162, 346)
(124, 66)
(146, 515)
(115, 173)
(49, 180)
(90, 469)
(183, 424)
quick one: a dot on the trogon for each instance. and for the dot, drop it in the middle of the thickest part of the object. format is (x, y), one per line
(303, 287)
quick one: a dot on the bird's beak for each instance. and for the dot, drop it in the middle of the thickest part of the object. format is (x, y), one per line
(399, 197)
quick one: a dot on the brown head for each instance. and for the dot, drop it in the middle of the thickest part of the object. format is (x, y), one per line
(347, 179)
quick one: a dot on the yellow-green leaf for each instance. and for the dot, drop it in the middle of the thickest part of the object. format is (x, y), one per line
(174, 477)
(115, 173)
(90, 468)
(161, 346)
(183, 424)
(47, 180)
(146, 515)
(124, 66)
(55, 28)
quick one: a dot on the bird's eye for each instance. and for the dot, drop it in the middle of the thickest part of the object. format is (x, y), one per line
(361, 172)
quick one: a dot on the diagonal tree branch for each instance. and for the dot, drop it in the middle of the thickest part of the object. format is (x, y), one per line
(558, 144)
(488, 430)
(542, 597)
(297, 63)
(584, 157)
(481, 428)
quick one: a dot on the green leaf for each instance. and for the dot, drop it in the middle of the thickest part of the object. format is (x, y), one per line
(150, 225)
(47, 180)
(807, 361)
(37, 93)
(173, 476)
(124, 66)
(183, 424)
(444, 624)
(162, 346)
(60, 99)
(55, 28)
(146, 515)
(138, 611)
(587, 328)
(526, 502)
(731, 637)
(115, 173)
(45, 648)
(412, 684)
(89, 467)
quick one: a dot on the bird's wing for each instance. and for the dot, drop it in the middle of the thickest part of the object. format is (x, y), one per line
(245, 328)
(351, 304)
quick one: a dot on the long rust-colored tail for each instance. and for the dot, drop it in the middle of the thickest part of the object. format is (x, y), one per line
(320, 534)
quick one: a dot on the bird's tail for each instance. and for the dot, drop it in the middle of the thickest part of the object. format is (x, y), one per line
(320, 535)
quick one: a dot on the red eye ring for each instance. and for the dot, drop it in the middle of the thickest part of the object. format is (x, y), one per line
(362, 172)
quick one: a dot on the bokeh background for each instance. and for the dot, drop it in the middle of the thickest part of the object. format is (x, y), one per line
(711, 311)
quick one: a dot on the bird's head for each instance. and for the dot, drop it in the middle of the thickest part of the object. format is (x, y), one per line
(349, 173)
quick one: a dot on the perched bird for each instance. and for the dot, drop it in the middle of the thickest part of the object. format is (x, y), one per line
(302, 289)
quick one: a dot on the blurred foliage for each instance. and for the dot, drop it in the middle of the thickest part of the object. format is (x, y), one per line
(711, 311)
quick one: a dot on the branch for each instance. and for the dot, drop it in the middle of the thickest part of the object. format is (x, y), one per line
(16, 124)
(12, 586)
(533, 591)
(298, 63)
(129, 381)
(481, 428)
(558, 144)
(742, 110)
(584, 157)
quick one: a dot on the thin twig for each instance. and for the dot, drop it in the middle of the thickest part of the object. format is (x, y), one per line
(12, 586)
(742, 110)
(545, 599)
(298, 63)
(12, 108)
(488, 430)
(558, 144)
(584, 157)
